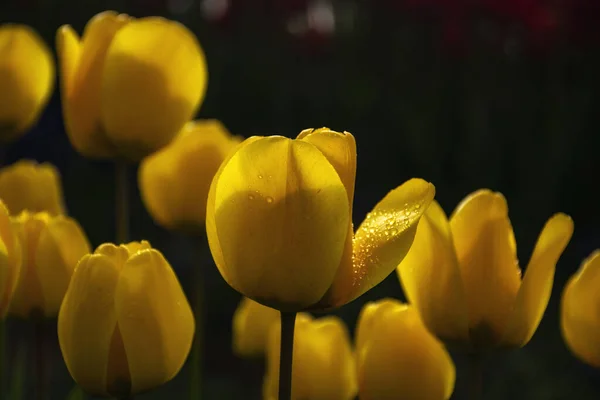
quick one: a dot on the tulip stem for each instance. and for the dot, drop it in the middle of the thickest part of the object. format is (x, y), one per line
(122, 201)
(198, 309)
(286, 355)
(475, 377)
(40, 360)
(2, 339)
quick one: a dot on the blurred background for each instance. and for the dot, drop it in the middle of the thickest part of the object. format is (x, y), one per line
(502, 94)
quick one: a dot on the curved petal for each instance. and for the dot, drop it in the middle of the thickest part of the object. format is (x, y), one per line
(10, 268)
(431, 279)
(251, 324)
(155, 319)
(367, 318)
(50, 182)
(154, 81)
(68, 49)
(486, 251)
(87, 321)
(282, 219)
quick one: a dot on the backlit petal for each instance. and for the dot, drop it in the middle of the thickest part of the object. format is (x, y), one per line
(251, 324)
(68, 48)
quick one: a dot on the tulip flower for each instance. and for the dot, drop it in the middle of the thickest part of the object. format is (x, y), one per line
(579, 318)
(128, 85)
(26, 79)
(324, 366)
(27, 185)
(10, 260)
(174, 181)
(464, 278)
(125, 325)
(398, 358)
(279, 225)
(251, 326)
(51, 246)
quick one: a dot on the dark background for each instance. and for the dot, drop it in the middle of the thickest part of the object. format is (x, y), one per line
(502, 94)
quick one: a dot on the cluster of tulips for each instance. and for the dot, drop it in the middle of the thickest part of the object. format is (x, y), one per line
(277, 213)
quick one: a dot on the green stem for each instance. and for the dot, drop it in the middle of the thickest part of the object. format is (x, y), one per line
(40, 360)
(286, 355)
(475, 377)
(2, 339)
(198, 308)
(121, 202)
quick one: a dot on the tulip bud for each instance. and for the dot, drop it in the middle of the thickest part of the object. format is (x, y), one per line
(51, 246)
(251, 326)
(125, 325)
(10, 260)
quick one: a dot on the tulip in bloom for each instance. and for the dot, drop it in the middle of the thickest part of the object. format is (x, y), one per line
(251, 326)
(398, 358)
(464, 278)
(174, 181)
(10, 260)
(128, 85)
(323, 365)
(27, 185)
(26, 79)
(279, 224)
(125, 325)
(51, 246)
(579, 318)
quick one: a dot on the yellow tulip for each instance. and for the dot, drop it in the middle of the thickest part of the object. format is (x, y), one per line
(174, 181)
(323, 366)
(398, 358)
(51, 246)
(125, 325)
(27, 185)
(251, 325)
(279, 226)
(579, 318)
(10, 260)
(26, 79)
(128, 85)
(464, 277)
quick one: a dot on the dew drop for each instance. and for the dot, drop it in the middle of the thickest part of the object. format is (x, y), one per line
(251, 196)
(417, 206)
(269, 199)
(260, 176)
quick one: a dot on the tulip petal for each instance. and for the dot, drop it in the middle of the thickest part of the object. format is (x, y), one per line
(163, 60)
(68, 48)
(10, 270)
(251, 324)
(87, 321)
(155, 319)
(536, 288)
(580, 321)
(282, 219)
(486, 251)
(367, 319)
(431, 279)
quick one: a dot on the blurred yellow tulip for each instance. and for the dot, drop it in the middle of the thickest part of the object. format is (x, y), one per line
(51, 246)
(279, 225)
(10, 260)
(579, 317)
(323, 366)
(398, 358)
(29, 186)
(174, 181)
(251, 326)
(464, 277)
(128, 85)
(26, 79)
(125, 325)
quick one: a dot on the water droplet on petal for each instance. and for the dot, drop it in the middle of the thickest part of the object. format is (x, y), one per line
(251, 196)
(260, 176)
(269, 199)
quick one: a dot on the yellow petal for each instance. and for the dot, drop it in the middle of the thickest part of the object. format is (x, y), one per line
(281, 220)
(61, 245)
(431, 280)
(382, 240)
(85, 64)
(26, 79)
(368, 317)
(579, 318)
(251, 324)
(87, 320)
(155, 318)
(486, 251)
(174, 182)
(401, 359)
(135, 247)
(10, 270)
(154, 81)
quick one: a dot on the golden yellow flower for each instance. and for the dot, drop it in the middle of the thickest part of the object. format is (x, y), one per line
(26, 79)
(579, 318)
(174, 181)
(398, 358)
(29, 186)
(323, 366)
(10, 260)
(128, 85)
(464, 277)
(125, 325)
(279, 225)
(51, 246)
(251, 325)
